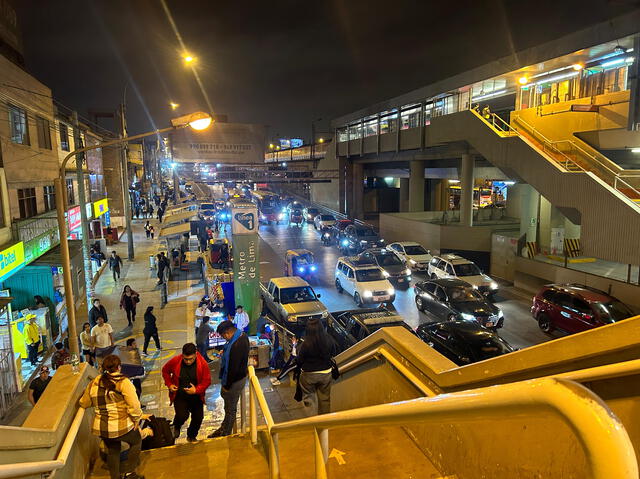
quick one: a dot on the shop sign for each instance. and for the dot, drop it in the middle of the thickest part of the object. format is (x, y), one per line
(89, 209)
(74, 218)
(101, 207)
(11, 260)
(39, 245)
(107, 218)
(246, 262)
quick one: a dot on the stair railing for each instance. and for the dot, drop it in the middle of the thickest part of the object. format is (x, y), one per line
(607, 447)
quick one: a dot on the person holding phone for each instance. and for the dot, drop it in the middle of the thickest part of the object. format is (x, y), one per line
(187, 376)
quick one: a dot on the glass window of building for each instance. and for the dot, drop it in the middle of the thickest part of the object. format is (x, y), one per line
(64, 137)
(371, 126)
(342, 134)
(27, 202)
(44, 134)
(71, 199)
(19, 126)
(355, 131)
(410, 117)
(49, 198)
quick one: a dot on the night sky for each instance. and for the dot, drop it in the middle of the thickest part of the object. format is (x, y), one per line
(279, 63)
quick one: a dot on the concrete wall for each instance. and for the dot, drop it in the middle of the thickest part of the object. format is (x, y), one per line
(113, 183)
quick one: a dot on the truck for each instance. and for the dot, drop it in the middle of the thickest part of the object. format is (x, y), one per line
(291, 302)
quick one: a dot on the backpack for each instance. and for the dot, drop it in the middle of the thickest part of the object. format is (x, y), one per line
(162, 434)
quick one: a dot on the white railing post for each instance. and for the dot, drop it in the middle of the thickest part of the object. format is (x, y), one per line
(274, 459)
(253, 416)
(243, 411)
(321, 447)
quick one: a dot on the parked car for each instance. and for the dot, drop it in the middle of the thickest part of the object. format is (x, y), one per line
(574, 308)
(414, 254)
(310, 214)
(463, 342)
(452, 299)
(324, 221)
(396, 270)
(349, 327)
(454, 266)
(364, 281)
(357, 238)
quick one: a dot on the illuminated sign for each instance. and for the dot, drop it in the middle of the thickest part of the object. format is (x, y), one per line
(101, 207)
(89, 208)
(74, 218)
(39, 245)
(11, 260)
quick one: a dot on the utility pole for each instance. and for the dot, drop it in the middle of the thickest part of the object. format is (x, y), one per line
(86, 257)
(125, 184)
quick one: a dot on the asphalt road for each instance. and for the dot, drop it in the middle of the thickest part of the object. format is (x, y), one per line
(520, 329)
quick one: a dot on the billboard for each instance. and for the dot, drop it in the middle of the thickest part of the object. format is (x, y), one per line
(246, 262)
(226, 143)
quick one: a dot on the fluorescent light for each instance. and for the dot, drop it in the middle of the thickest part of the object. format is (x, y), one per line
(454, 181)
(635, 150)
(490, 95)
(611, 63)
(555, 78)
(509, 183)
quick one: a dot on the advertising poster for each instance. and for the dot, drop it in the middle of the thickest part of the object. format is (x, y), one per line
(246, 262)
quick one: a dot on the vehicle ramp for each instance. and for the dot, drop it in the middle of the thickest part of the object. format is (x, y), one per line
(601, 202)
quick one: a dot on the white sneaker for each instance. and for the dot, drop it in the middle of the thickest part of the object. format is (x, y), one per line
(275, 382)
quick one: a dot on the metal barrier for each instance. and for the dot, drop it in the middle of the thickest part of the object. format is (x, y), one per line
(608, 450)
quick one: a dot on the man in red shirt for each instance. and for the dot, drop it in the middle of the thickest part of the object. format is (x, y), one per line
(187, 376)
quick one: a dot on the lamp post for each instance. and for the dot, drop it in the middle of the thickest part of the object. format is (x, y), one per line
(197, 121)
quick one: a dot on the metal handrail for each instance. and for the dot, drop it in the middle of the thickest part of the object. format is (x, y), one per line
(42, 467)
(256, 393)
(607, 446)
(615, 176)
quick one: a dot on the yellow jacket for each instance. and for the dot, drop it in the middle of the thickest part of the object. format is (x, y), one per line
(31, 333)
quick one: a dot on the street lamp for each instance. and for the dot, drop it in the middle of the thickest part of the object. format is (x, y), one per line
(174, 105)
(188, 59)
(197, 121)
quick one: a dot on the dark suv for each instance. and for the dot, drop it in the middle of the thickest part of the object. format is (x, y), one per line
(357, 238)
(395, 270)
(574, 308)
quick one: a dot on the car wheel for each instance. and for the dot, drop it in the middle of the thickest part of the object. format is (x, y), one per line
(339, 286)
(419, 303)
(544, 322)
(358, 300)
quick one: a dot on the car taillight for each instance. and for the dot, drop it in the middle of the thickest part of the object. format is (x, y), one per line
(588, 317)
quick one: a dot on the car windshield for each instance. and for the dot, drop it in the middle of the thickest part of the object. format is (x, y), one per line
(296, 212)
(388, 259)
(365, 232)
(487, 345)
(312, 211)
(461, 294)
(300, 294)
(343, 224)
(373, 274)
(415, 250)
(613, 311)
(327, 218)
(267, 211)
(207, 206)
(466, 269)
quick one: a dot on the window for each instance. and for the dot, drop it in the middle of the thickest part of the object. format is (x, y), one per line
(450, 270)
(27, 202)
(71, 199)
(276, 293)
(563, 299)
(440, 294)
(430, 287)
(350, 273)
(44, 134)
(49, 198)
(581, 306)
(64, 137)
(549, 295)
(19, 126)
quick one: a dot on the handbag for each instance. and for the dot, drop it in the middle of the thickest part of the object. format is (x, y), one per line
(136, 299)
(335, 372)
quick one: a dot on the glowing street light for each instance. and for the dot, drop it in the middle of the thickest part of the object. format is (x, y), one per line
(271, 145)
(321, 140)
(523, 80)
(174, 105)
(198, 121)
(188, 59)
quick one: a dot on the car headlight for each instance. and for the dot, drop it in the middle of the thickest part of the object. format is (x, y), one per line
(467, 316)
(345, 242)
(280, 216)
(391, 291)
(325, 314)
(493, 285)
(300, 270)
(500, 314)
(313, 268)
(363, 241)
(475, 286)
(263, 217)
(412, 262)
(407, 272)
(381, 240)
(367, 294)
(385, 274)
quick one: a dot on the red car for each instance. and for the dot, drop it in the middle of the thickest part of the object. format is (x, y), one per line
(268, 215)
(574, 308)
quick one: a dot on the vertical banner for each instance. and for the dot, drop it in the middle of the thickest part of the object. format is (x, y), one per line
(246, 262)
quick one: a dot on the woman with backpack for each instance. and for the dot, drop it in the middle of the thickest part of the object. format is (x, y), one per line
(316, 366)
(117, 413)
(128, 301)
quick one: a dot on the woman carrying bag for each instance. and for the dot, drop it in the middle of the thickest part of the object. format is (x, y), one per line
(128, 302)
(117, 413)
(317, 367)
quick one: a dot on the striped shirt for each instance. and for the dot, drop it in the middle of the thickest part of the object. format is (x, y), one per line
(117, 411)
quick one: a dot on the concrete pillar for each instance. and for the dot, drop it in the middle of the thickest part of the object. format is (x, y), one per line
(404, 195)
(530, 199)
(441, 196)
(358, 190)
(416, 185)
(348, 188)
(466, 187)
(342, 180)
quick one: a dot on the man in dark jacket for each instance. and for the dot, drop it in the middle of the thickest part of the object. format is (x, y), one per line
(97, 310)
(114, 264)
(233, 373)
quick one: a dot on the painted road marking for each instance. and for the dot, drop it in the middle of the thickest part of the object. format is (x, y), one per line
(337, 455)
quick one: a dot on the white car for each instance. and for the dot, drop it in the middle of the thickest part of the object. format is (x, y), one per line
(414, 254)
(324, 221)
(364, 281)
(454, 266)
